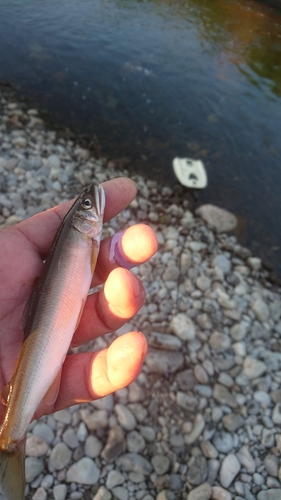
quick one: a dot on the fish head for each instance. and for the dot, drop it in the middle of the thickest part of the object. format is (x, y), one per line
(88, 215)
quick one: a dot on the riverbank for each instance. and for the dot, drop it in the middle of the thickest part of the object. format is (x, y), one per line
(203, 418)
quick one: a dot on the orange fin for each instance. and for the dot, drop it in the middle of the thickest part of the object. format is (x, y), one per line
(4, 394)
(12, 473)
(53, 391)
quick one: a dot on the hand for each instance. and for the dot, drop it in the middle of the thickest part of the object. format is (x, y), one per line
(85, 376)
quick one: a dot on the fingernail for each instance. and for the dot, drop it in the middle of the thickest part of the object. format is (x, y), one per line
(116, 253)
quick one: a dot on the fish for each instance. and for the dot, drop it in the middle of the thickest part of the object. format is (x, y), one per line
(52, 315)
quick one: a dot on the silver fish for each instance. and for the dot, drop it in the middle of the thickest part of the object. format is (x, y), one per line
(53, 314)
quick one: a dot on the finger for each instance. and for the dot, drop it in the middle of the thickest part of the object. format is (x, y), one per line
(41, 228)
(106, 311)
(137, 244)
(88, 376)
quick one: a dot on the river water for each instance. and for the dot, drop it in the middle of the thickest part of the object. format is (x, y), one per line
(150, 80)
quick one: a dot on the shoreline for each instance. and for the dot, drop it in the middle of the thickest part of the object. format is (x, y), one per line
(203, 418)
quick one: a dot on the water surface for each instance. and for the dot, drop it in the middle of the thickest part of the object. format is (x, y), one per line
(150, 80)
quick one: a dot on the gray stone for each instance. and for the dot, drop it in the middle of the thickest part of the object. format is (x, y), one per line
(125, 417)
(222, 262)
(35, 446)
(276, 415)
(60, 456)
(197, 429)
(271, 463)
(99, 418)
(85, 471)
(164, 341)
(93, 447)
(186, 401)
(229, 469)
(202, 492)
(54, 161)
(272, 494)
(197, 470)
(186, 380)
(114, 478)
(63, 416)
(253, 368)
(261, 310)
(218, 218)
(70, 438)
(40, 494)
(160, 463)
(115, 444)
(134, 462)
(219, 493)
(33, 467)
(233, 421)
(60, 491)
(120, 493)
(246, 459)
(163, 362)
(223, 441)
(183, 327)
(223, 396)
(208, 449)
(102, 494)
(219, 341)
(44, 431)
(135, 442)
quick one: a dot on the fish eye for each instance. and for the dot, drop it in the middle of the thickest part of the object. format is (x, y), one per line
(87, 204)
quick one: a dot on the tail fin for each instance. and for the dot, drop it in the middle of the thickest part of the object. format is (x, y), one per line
(12, 472)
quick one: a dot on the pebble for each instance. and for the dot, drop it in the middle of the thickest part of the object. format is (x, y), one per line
(276, 415)
(183, 327)
(40, 494)
(102, 494)
(219, 218)
(246, 459)
(202, 492)
(272, 494)
(60, 456)
(85, 471)
(209, 388)
(114, 478)
(35, 446)
(33, 467)
(163, 362)
(197, 429)
(60, 491)
(160, 463)
(229, 469)
(253, 368)
(223, 441)
(135, 463)
(219, 493)
(125, 417)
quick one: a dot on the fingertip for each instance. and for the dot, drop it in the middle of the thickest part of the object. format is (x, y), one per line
(125, 358)
(139, 243)
(123, 293)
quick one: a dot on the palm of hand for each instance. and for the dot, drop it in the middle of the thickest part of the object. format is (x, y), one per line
(85, 376)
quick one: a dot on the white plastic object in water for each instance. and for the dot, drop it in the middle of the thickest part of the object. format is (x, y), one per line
(191, 173)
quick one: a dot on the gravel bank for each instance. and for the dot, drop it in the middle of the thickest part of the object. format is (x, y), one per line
(203, 419)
